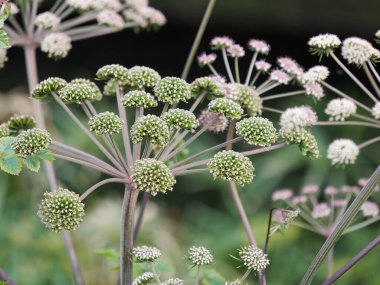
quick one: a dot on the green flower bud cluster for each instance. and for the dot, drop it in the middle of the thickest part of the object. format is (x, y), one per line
(61, 210)
(114, 72)
(253, 258)
(144, 279)
(146, 253)
(182, 119)
(153, 128)
(305, 141)
(31, 142)
(143, 77)
(232, 166)
(249, 99)
(110, 88)
(257, 131)
(199, 255)
(140, 99)
(77, 93)
(172, 90)
(4, 130)
(19, 123)
(207, 85)
(226, 107)
(48, 86)
(152, 176)
(97, 94)
(105, 123)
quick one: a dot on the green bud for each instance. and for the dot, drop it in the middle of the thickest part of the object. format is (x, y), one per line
(172, 90)
(105, 123)
(48, 86)
(31, 142)
(257, 131)
(151, 127)
(226, 107)
(182, 119)
(140, 99)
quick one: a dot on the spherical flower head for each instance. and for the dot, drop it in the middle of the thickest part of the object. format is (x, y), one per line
(97, 95)
(173, 281)
(181, 119)
(340, 109)
(48, 86)
(143, 77)
(317, 73)
(369, 209)
(321, 210)
(145, 278)
(153, 17)
(295, 118)
(262, 65)
(232, 166)
(79, 5)
(151, 127)
(146, 253)
(376, 111)
(235, 51)
(105, 123)
(31, 141)
(356, 51)
(310, 189)
(259, 46)
(282, 195)
(152, 176)
(4, 130)
(340, 203)
(61, 210)
(3, 57)
(110, 18)
(216, 123)
(106, 5)
(221, 42)
(47, 21)
(116, 72)
(377, 36)
(19, 123)
(279, 76)
(323, 44)
(330, 190)
(248, 98)
(139, 99)
(56, 45)
(342, 152)
(199, 255)
(314, 89)
(257, 131)
(226, 107)
(253, 258)
(172, 90)
(304, 140)
(206, 59)
(77, 93)
(109, 88)
(207, 85)
(291, 67)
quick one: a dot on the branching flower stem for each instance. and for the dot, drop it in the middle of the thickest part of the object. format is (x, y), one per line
(283, 95)
(101, 183)
(227, 65)
(371, 79)
(250, 69)
(197, 277)
(347, 123)
(369, 142)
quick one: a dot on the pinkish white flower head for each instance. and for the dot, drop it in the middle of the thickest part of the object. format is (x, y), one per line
(106, 4)
(217, 79)
(331, 190)
(14, 9)
(153, 16)
(80, 5)
(282, 195)
(340, 203)
(47, 21)
(262, 65)
(340, 109)
(205, 59)
(291, 67)
(317, 73)
(299, 199)
(321, 210)
(220, 122)
(110, 18)
(370, 209)
(377, 34)
(232, 91)
(3, 57)
(236, 51)
(295, 118)
(363, 182)
(259, 46)
(221, 42)
(375, 57)
(376, 110)
(342, 151)
(350, 189)
(138, 19)
(356, 50)
(323, 44)
(56, 45)
(310, 189)
(279, 76)
(314, 89)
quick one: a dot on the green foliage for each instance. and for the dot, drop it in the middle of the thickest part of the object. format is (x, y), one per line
(4, 14)
(32, 163)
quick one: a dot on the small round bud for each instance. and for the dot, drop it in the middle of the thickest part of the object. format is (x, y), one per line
(56, 45)
(253, 258)
(257, 131)
(146, 253)
(259, 46)
(140, 99)
(3, 57)
(314, 89)
(105, 123)
(144, 279)
(305, 141)
(208, 85)
(221, 42)
(153, 128)
(376, 111)
(48, 86)
(236, 51)
(77, 93)
(182, 119)
(116, 72)
(143, 77)
(172, 90)
(323, 44)
(216, 123)
(370, 209)
(110, 18)
(19, 123)
(231, 166)
(356, 51)
(152, 176)
(61, 210)
(317, 73)
(297, 117)
(321, 210)
(31, 142)
(97, 95)
(4, 130)
(282, 195)
(342, 152)
(110, 88)
(340, 109)
(47, 20)
(173, 281)
(199, 255)
(279, 76)
(226, 107)
(206, 59)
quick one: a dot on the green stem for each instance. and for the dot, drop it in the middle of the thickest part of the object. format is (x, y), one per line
(227, 65)
(197, 277)
(154, 270)
(101, 183)
(237, 73)
(361, 225)
(250, 69)
(348, 123)
(371, 79)
(330, 263)
(369, 142)
(282, 95)
(245, 275)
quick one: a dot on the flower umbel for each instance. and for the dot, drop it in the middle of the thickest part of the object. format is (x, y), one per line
(146, 253)
(257, 131)
(253, 258)
(31, 141)
(200, 256)
(105, 123)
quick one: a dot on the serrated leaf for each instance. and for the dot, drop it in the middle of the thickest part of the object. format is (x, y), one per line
(32, 163)
(11, 165)
(45, 155)
(6, 145)
(4, 40)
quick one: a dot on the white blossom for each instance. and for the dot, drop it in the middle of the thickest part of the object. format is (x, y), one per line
(110, 18)
(297, 117)
(356, 50)
(47, 20)
(340, 109)
(56, 45)
(342, 151)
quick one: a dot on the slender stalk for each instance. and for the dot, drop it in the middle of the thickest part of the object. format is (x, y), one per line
(198, 38)
(197, 277)
(371, 79)
(250, 69)
(254, 79)
(330, 263)
(237, 73)
(277, 111)
(305, 227)
(268, 228)
(191, 171)
(140, 217)
(99, 32)
(69, 244)
(374, 71)
(172, 145)
(266, 89)
(101, 183)
(369, 142)
(190, 165)
(282, 95)
(348, 123)
(365, 118)
(198, 101)
(263, 149)
(361, 225)
(154, 270)
(241, 280)
(213, 70)
(227, 65)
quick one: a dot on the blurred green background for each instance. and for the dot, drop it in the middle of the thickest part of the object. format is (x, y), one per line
(200, 210)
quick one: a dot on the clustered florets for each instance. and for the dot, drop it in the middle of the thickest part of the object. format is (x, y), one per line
(61, 210)
(262, 65)
(205, 59)
(78, 92)
(342, 151)
(143, 279)
(47, 20)
(314, 89)
(146, 253)
(304, 140)
(182, 119)
(291, 67)
(110, 18)
(282, 195)
(235, 51)
(356, 51)
(200, 256)
(253, 258)
(56, 45)
(216, 123)
(19, 123)
(320, 210)
(370, 209)
(143, 77)
(4, 130)
(232, 166)
(173, 281)
(208, 85)
(340, 109)
(316, 73)
(152, 176)
(48, 86)
(140, 99)
(172, 90)
(31, 141)
(257, 131)
(105, 123)
(324, 44)
(376, 111)
(114, 72)
(279, 76)
(226, 107)
(259, 46)
(247, 97)
(151, 127)
(295, 118)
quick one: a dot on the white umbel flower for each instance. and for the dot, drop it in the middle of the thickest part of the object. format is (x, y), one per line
(3, 57)
(253, 257)
(356, 50)
(146, 253)
(321, 210)
(110, 18)
(375, 109)
(370, 209)
(80, 5)
(200, 255)
(342, 151)
(282, 195)
(297, 117)
(314, 89)
(153, 16)
(106, 4)
(262, 65)
(258, 46)
(56, 45)
(340, 109)
(324, 43)
(317, 73)
(279, 76)
(291, 67)
(47, 21)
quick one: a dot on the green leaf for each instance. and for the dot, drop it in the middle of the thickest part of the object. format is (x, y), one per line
(110, 254)
(45, 155)
(32, 163)
(4, 283)
(212, 277)
(4, 40)
(6, 145)
(11, 165)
